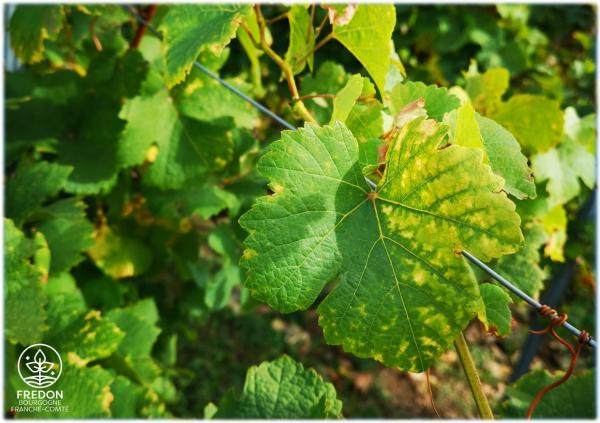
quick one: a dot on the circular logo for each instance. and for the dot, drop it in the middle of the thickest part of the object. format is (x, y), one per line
(39, 365)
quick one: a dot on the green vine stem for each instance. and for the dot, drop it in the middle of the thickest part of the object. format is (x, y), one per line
(462, 349)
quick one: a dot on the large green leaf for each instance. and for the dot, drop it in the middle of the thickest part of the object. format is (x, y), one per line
(403, 293)
(189, 29)
(30, 25)
(368, 36)
(536, 121)
(25, 298)
(282, 389)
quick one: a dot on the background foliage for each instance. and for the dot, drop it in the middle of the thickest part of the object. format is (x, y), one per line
(125, 178)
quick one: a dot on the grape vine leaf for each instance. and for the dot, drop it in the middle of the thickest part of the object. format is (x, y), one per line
(394, 250)
(575, 398)
(189, 29)
(31, 186)
(205, 99)
(134, 352)
(346, 98)
(30, 25)
(522, 267)
(302, 39)
(219, 286)
(132, 400)
(187, 148)
(92, 153)
(89, 338)
(329, 78)
(506, 159)
(282, 389)
(486, 90)
(119, 255)
(25, 297)
(367, 36)
(396, 72)
(68, 232)
(581, 129)
(465, 129)
(203, 200)
(562, 167)
(502, 150)
(88, 390)
(438, 101)
(497, 316)
(536, 121)
(366, 120)
(65, 304)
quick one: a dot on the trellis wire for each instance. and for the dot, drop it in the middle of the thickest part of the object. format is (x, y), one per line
(504, 282)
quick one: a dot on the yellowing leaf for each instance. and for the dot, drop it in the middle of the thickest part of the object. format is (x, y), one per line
(536, 121)
(119, 256)
(486, 89)
(403, 293)
(562, 167)
(367, 35)
(30, 25)
(466, 129)
(555, 224)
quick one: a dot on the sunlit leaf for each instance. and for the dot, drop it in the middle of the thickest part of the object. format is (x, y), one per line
(367, 36)
(323, 223)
